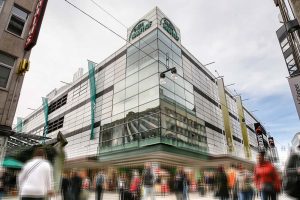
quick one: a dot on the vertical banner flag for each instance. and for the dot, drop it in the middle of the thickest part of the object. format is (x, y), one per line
(19, 128)
(91, 66)
(243, 126)
(46, 108)
(225, 113)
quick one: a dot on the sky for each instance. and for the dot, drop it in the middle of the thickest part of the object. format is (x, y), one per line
(238, 35)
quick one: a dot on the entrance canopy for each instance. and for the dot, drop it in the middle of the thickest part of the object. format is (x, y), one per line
(21, 141)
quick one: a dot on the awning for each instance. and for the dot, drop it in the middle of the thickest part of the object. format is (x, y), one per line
(11, 163)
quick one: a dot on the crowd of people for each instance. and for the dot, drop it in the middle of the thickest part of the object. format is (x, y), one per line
(35, 181)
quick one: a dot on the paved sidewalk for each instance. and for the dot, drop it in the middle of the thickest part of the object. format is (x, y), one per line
(114, 196)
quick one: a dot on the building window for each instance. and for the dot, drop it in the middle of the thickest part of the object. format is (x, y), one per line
(6, 64)
(58, 104)
(17, 21)
(55, 125)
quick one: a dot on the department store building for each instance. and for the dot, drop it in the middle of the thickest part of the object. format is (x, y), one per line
(127, 110)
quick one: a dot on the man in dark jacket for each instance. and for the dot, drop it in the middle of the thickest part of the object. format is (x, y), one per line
(65, 187)
(292, 179)
(180, 185)
(76, 182)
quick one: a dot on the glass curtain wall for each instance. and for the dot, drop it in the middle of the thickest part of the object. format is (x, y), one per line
(179, 125)
(135, 112)
(146, 112)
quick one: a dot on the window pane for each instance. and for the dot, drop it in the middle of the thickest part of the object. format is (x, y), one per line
(119, 86)
(148, 59)
(16, 25)
(148, 83)
(120, 96)
(132, 68)
(150, 105)
(176, 49)
(148, 39)
(131, 102)
(164, 39)
(132, 59)
(132, 49)
(118, 107)
(20, 13)
(6, 59)
(189, 97)
(132, 79)
(148, 71)
(132, 90)
(4, 76)
(148, 49)
(179, 91)
(149, 95)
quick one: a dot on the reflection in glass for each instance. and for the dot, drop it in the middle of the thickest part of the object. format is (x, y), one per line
(132, 90)
(148, 71)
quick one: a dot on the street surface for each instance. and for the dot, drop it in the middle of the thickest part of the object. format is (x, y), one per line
(114, 196)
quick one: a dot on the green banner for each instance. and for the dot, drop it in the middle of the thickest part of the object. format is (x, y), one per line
(91, 66)
(19, 127)
(46, 108)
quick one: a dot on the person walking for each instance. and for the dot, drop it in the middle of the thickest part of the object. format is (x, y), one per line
(244, 184)
(179, 185)
(148, 182)
(76, 183)
(232, 178)
(65, 187)
(291, 181)
(135, 189)
(99, 185)
(85, 189)
(36, 178)
(222, 184)
(266, 178)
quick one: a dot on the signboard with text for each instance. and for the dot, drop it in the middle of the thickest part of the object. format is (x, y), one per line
(259, 136)
(35, 24)
(295, 89)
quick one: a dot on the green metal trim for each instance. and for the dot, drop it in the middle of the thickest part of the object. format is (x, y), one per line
(91, 66)
(46, 110)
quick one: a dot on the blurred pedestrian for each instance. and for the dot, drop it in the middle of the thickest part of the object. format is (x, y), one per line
(222, 190)
(36, 178)
(122, 186)
(244, 184)
(85, 187)
(232, 177)
(291, 181)
(180, 183)
(99, 185)
(266, 178)
(148, 182)
(76, 183)
(135, 185)
(65, 187)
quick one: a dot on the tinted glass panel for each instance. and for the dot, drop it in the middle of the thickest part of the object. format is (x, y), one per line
(148, 83)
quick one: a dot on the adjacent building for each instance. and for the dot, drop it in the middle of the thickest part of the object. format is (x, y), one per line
(151, 100)
(19, 27)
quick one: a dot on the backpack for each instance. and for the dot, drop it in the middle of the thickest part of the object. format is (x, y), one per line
(148, 178)
(99, 180)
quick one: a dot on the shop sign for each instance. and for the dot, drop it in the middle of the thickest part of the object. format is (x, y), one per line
(259, 136)
(36, 24)
(271, 142)
(295, 89)
(139, 28)
(168, 26)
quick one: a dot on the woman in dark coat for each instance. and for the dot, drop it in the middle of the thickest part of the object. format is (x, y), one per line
(222, 184)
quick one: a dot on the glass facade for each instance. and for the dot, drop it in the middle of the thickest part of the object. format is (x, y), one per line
(145, 112)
